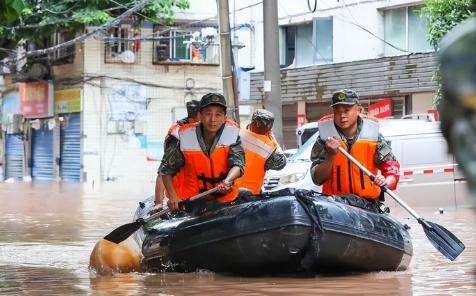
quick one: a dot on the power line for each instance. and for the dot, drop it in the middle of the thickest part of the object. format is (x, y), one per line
(103, 27)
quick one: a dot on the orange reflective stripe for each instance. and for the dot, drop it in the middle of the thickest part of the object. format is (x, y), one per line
(258, 148)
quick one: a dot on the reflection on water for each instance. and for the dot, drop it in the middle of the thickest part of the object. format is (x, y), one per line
(47, 232)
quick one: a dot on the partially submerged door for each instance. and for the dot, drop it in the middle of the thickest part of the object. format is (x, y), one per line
(42, 164)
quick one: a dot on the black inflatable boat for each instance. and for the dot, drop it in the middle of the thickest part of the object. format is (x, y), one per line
(282, 232)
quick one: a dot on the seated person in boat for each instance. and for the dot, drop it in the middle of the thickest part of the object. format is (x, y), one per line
(208, 152)
(359, 135)
(262, 151)
(192, 116)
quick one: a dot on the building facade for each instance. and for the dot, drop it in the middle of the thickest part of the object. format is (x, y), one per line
(99, 111)
(379, 48)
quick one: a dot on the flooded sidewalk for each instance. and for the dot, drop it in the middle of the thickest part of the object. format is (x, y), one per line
(48, 230)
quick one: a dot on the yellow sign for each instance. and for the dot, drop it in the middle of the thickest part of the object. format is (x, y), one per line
(68, 100)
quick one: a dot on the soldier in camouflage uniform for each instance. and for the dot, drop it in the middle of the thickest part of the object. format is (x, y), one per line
(193, 115)
(458, 106)
(264, 119)
(262, 151)
(208, 134)
(348, 123)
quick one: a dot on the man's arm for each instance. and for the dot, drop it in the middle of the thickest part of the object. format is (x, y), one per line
(387, 163)
(173, 198)
(276, 161)
(236, 157)
(236, 160)
(171, 164)
(322, 157)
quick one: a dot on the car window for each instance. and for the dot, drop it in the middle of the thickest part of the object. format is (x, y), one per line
(304, 153)
(308, 133)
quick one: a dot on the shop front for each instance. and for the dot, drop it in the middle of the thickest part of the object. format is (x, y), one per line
(68, 110)
(12, 129)
(36, 106)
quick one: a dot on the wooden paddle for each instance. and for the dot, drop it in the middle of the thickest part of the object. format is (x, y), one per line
(122, 232)
(443, 240)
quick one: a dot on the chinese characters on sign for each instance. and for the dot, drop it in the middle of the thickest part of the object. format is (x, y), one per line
(36, 99)
(381, 109)
(301, 120)
(68, 100)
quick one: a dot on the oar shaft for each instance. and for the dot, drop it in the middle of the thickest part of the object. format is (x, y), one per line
(167, 210)
(385, 188)
(200, 195)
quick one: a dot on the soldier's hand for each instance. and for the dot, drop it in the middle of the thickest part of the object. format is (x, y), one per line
(158, 206)
(332, 145)
(173, 203)
(380, 181)
(225, 186)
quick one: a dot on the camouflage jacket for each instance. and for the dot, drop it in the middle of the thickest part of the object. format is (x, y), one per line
(173, 158)
(384, 150)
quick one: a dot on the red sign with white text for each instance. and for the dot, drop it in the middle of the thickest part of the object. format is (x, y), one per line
(301, 120)
(381, 109)
(36, 99)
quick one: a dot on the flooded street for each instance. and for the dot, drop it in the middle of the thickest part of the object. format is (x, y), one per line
(47, 232)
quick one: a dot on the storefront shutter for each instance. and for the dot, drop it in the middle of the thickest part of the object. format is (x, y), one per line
(14, 154)
(70, 164)
(42, 154)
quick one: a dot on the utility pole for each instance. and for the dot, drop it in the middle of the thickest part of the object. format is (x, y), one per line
(272, 74)
(225, 57)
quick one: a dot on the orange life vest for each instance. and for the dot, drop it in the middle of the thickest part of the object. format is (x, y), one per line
(258, 148)
(178, 177)
(203, 172)
(346, 177)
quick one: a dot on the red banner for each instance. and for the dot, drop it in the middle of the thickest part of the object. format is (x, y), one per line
(301, 120)
(434, 113)
(382, 108)
(36, 99)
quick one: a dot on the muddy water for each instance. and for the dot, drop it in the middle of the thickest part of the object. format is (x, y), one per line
(47, 232)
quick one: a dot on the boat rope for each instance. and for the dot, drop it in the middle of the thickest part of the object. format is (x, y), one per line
(312, 251)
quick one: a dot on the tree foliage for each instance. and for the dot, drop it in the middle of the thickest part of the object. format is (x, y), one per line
(34, 20)
(442, 16)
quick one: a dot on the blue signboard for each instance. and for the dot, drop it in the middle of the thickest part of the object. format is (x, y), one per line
(10, 105)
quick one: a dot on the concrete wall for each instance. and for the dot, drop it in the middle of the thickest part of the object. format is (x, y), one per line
(357, 26)
(421, 102)
(123, 156)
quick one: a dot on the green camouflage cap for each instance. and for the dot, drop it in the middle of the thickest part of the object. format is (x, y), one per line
(345, 97)
(262, 117)
(192, 108)
(212, 99)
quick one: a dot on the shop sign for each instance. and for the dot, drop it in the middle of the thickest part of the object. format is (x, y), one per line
(381, 109)
(36, 99)
(68, 100)
(10, 105)
(301, 120)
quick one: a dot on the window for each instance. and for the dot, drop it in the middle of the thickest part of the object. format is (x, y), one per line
(406, 30)
(307, 44)
(186, 45)
(63, 55)
(120, 47)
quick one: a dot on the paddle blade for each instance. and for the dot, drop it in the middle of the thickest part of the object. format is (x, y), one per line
(121, 233)
(443, 240)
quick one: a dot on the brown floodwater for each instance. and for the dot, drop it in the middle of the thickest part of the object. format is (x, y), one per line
(47, 232)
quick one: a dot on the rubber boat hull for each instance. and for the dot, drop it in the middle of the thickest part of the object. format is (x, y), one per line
(294, 232)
